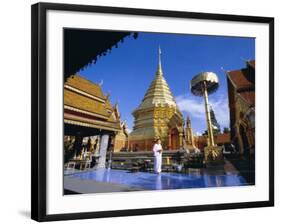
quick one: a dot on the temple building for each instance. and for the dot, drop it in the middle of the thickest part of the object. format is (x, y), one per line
(120, 140)
(241, 93)
(157, 116)
(220, 139)
(88, 112)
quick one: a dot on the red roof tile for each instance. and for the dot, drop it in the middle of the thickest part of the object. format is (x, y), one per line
(239, 79)
(222, 138)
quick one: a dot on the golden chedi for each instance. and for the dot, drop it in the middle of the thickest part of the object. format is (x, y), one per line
(157, 116)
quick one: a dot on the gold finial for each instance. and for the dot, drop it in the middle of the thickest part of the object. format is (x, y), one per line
(159, 69)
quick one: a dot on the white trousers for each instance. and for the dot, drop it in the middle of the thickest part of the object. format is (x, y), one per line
(157, 163)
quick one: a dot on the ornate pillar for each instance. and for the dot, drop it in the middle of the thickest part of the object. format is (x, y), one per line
(208, 116)
(103, 150)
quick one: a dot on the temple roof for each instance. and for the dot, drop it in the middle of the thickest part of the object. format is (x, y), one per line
(239, 79)
(86, 105)
(219, 138)
(85, 85)
(243, 81)
(158, 93)
(222, 138)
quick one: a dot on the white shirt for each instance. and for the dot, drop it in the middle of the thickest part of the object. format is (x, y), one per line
(156, 148)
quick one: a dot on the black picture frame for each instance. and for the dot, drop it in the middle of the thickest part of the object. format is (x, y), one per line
(38, 108)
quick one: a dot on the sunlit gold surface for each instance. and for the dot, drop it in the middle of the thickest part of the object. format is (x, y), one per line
(209, 78)
(86, 105)
(156, 114)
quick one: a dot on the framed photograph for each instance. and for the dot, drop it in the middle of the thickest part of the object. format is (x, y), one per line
(140, 111)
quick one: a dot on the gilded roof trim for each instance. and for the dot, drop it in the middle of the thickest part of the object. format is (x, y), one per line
(84, 93)
(92, 123)
(84, 112)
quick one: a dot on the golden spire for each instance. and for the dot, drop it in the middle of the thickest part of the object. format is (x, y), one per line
(159, 69)
(159, 92)
(157, 110)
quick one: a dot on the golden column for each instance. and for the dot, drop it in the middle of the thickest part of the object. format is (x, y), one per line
(201, 85)
(208, 115)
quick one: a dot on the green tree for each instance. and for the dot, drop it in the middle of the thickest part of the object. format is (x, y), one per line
(226, 130)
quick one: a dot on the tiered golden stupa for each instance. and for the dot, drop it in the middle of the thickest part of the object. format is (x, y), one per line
(157, 117)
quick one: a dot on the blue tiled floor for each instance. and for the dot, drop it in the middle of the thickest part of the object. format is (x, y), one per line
(151, 181)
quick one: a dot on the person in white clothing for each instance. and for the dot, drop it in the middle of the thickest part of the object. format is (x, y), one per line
(157, 151)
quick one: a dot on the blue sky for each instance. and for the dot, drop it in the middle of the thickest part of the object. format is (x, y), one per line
(127, 71)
